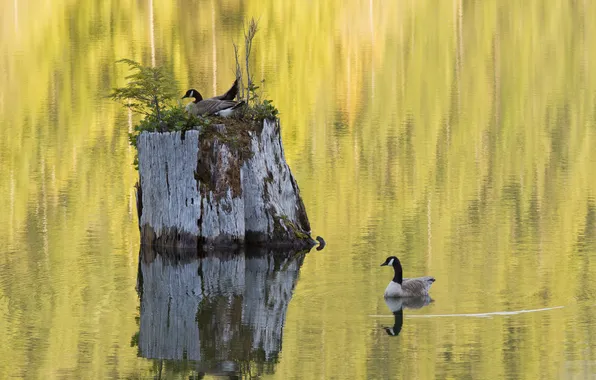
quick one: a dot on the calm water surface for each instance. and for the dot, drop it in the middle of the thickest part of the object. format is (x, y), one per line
(458, 135)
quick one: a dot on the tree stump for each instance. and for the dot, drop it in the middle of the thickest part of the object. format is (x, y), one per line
(221, 185)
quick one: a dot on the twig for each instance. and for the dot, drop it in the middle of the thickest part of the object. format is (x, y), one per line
(248, 37)
(238, 72)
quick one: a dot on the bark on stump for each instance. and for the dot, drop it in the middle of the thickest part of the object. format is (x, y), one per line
(219, 186)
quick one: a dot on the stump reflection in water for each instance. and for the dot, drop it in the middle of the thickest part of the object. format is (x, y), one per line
(222, 312)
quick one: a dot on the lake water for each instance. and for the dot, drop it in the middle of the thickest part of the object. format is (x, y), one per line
(457, 135)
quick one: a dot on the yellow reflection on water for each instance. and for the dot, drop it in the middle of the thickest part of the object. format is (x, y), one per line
(457, 135)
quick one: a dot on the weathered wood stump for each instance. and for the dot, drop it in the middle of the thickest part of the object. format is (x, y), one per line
(217, 186)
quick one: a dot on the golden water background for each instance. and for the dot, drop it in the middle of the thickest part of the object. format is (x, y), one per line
(458, 135)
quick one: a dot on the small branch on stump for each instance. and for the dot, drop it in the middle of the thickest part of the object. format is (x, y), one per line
(238, 73)
(248, 37)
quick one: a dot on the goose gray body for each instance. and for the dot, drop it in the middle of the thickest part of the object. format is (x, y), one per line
(410, 287)
(405, 287)
(212, 107)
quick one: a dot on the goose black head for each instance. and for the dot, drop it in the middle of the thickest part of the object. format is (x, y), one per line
(391, 261)
(396, 264)
(192, 93)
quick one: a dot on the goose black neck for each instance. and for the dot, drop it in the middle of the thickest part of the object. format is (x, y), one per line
(197, 95)
(398, 273)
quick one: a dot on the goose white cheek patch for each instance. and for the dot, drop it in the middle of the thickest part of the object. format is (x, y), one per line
(391, 262)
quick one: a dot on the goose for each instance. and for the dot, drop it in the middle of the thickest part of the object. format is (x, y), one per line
(211, 106)
(397, 306)
(405, 287)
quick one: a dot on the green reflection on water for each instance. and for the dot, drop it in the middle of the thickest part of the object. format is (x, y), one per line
(457, 135)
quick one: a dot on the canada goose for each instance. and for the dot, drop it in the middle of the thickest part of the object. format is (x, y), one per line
(211, 106)
(397, 306)
(406, 287)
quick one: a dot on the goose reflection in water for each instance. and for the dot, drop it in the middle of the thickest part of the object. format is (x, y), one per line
(397, 306)
(219, 314)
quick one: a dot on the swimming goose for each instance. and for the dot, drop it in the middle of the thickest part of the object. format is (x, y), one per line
(397, 306)
(405, 287)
